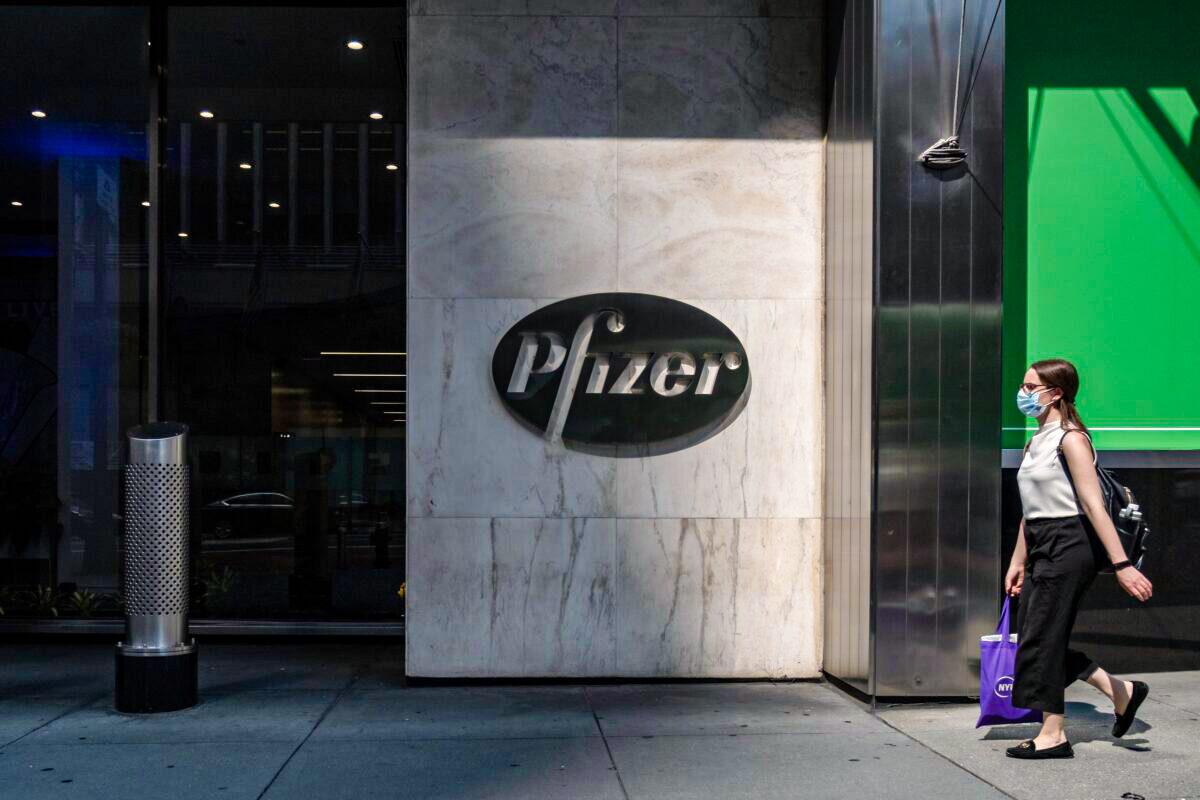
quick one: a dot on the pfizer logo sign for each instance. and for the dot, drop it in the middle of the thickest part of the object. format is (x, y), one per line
(622, 374)
(1004, 686)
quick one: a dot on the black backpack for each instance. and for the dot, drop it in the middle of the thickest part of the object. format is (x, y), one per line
(1122, 507)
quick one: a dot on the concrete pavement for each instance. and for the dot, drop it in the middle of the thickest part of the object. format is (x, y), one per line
(337, 720)
(1157, 758)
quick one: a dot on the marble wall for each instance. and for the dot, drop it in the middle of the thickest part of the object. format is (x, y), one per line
(561, 147)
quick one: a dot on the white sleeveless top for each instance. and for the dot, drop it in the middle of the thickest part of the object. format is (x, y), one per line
(1042, 477)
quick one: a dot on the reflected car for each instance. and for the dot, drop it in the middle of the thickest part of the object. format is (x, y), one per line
(354, 513)
(247, 516)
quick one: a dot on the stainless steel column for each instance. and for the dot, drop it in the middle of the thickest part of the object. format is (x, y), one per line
(913, 267)
(156, 662)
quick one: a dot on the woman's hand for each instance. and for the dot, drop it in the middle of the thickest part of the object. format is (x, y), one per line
(1135, 583)
(1014, 579)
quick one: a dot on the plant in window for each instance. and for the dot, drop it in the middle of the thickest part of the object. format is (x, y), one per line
(220, 581)
(211, 585)
(82, 603)
(113, 602)
(41, 602)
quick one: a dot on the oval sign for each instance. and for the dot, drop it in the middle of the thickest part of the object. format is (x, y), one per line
(622, 374)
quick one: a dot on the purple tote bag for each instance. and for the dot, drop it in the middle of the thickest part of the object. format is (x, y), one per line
(997, 657)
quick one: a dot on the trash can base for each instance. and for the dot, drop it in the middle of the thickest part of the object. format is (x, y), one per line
(150, 684)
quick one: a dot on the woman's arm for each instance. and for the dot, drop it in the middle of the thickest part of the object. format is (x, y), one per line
(1020, 554)
(1016, 566)
(1078, 451)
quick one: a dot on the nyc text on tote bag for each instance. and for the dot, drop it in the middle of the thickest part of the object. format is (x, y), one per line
(997, 657)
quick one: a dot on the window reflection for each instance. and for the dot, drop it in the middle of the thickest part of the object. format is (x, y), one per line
(73, 255)
(294, 249)
(280, 294)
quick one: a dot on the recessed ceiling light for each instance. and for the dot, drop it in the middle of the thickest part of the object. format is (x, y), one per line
(17, 203)
(37, 112)
(244, 165)
(355, 44)
(206, 114)
(392, 167)
(146, 203)
(375, 115)
(183, 234)
(273, 205)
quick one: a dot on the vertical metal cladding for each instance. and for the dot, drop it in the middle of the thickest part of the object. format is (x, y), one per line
(913, 272)
(939, 267)
(849, 272)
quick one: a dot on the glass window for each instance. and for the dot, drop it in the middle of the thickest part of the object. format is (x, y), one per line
(73, 255)
(277, 247)
(284, 300)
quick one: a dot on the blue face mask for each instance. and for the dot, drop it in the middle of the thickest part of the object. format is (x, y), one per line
(1028, 403)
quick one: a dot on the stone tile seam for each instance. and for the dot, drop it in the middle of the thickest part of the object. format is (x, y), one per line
(607, 749)
(72, 710)
(946, 758)
(869, 711)
(358, 671)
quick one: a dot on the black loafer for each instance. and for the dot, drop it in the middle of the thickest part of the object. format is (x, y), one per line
(1026, 749)
(1125, 718)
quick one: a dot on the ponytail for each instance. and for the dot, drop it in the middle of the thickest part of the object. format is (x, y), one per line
(1058, 373)
(1070, 413)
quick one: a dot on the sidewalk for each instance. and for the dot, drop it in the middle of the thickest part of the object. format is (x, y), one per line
(1157, 758)
(336, 721)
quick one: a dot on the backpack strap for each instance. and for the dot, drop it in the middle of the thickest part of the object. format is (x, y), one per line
(1089, 438)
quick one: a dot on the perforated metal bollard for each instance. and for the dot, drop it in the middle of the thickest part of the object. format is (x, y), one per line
(156, 662)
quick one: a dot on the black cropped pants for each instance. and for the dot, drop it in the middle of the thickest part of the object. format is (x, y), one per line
(1064, 556)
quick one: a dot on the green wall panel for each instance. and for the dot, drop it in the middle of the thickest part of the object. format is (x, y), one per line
(1102, 207)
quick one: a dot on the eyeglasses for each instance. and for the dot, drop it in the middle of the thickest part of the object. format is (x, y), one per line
(1029, 387)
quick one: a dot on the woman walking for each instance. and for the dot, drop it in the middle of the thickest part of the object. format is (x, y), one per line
(1056, 558)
